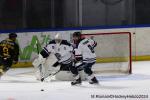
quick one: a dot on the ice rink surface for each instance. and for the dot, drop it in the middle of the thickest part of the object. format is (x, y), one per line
(20, 84)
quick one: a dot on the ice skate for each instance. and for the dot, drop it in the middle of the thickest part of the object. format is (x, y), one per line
(94, 81)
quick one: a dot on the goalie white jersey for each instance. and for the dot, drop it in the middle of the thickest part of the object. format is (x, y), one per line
(62, 51)
(86, 49)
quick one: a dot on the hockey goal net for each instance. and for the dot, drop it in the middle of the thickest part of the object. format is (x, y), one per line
(113, 52)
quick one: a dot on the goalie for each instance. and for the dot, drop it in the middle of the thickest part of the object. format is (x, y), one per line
(63, 52)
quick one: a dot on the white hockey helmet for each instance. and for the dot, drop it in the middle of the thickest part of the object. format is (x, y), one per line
(58, 38)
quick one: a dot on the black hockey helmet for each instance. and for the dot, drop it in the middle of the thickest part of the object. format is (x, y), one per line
(12, 35)
(76, 37)
(77, 34)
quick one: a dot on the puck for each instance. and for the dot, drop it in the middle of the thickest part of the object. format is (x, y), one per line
(42, 89)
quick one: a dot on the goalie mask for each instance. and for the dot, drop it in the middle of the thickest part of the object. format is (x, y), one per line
(58, 38)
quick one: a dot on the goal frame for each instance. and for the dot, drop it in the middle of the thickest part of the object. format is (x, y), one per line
(115, 33)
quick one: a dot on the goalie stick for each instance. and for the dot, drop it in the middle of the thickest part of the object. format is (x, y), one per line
(51, 74)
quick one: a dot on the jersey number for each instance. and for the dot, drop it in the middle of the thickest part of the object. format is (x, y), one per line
(91, 48)
(5, 51)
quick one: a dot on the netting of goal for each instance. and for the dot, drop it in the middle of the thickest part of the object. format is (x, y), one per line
(113, 52)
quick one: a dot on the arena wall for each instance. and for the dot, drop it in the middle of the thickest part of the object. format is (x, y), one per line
(28, 42)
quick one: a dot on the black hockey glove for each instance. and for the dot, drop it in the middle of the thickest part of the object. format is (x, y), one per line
(56, 64)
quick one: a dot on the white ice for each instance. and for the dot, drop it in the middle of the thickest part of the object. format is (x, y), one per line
(20, 84)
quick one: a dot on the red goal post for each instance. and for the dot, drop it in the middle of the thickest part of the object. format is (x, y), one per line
(113, 51)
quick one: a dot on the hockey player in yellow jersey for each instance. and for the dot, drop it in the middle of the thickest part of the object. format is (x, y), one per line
(9, 52)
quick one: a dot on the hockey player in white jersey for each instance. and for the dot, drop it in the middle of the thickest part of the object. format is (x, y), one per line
(85, 47)
(62, 49)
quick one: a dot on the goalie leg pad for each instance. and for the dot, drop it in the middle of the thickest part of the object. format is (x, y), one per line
(38, 61)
